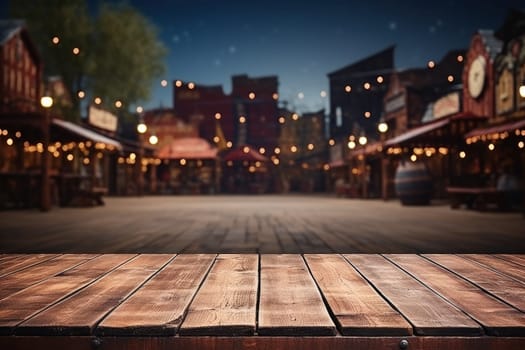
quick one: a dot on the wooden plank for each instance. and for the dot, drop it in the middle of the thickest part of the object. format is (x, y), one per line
(290, 303)
(226, 302)
(496, 317)
(262, 343)
(16, 262)
(20, 306)
(160, 305)
(515, 258)
(502, 286)
(15, 282)
(428, 313)
(357, 307)
(503, 266)
(78, 314)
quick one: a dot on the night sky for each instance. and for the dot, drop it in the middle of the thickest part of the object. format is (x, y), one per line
(302, 41)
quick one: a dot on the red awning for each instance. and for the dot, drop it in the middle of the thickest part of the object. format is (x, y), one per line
(188, 148)
(244, 153)
(496, 129)
(417, 131)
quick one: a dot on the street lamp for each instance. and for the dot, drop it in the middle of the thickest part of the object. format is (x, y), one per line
(382, 127)
(522, 88)
(45, 194)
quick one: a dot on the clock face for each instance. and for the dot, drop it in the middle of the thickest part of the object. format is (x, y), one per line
(476, 76)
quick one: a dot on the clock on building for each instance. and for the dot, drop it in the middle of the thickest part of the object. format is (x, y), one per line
(476, 76)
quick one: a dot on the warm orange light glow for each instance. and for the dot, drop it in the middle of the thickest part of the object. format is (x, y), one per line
(450, 78)
(363, 140)
(275, 96)
(216, 139)
(275, 161)
(46, 101)
(140, 109)
(331, 142)
(251, 95)
(382, 127)
(182, 161)
(153, 139)
(229, 144)
(322, 93)
(98, 100)
(348, 88)
(310, 146)
(118, 103)
(326, 167)
(218, 116)
(367, 114)
(521, 144)
(431, 64)
(351, 144)
(367, 86)
(293, 149)
(277, 150)
(178, 83)
(191, 86)
(282, 120)
(380, 79)
(246, 149)
(262, 150)
(462, 154)
(9, 141)
(295, 116)
(55, 40)
(491, 147)
(81, 94)
(242, 119)
(142, 128)
(460, 58)
(413, 157)
(163, 83)
(76, 51)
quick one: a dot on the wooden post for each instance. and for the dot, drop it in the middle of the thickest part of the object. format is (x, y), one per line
(384, 177)
(138, 167)
(153, 178)
(45, 183)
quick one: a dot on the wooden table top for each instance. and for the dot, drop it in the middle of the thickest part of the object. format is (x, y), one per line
(330, 296)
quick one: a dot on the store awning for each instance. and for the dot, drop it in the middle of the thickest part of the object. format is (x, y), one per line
(496, 129)
(86, 134)
(244, 153)
(371, 148)
(188, 148)
(417, 131)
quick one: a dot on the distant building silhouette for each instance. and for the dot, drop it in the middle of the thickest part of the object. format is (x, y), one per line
(249, 115)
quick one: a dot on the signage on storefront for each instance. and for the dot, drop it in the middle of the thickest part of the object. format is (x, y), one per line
(102, 119)
(446, 105)
(395, 103)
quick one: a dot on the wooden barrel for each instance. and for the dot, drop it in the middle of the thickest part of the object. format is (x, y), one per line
(413, 183)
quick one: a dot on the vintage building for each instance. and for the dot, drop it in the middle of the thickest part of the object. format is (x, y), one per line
(357, 92)
(247, 116)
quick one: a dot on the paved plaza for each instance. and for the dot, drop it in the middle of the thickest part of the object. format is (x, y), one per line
(263, 224)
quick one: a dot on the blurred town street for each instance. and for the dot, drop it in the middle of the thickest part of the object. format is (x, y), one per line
(263, 224)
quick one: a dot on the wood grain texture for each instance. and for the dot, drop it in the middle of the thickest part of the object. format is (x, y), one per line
(20, 306)
(290, 303)
(427, 312)
(15, 262)
(13, 283)
(496, 317)
(357, 307)
(159, 306)
(515, 258)
(502, 286)
(264, 343)
(226, 302)
(78, 314)
(503, 266)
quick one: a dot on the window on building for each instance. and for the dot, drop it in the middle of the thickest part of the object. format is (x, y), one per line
(338, 117)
